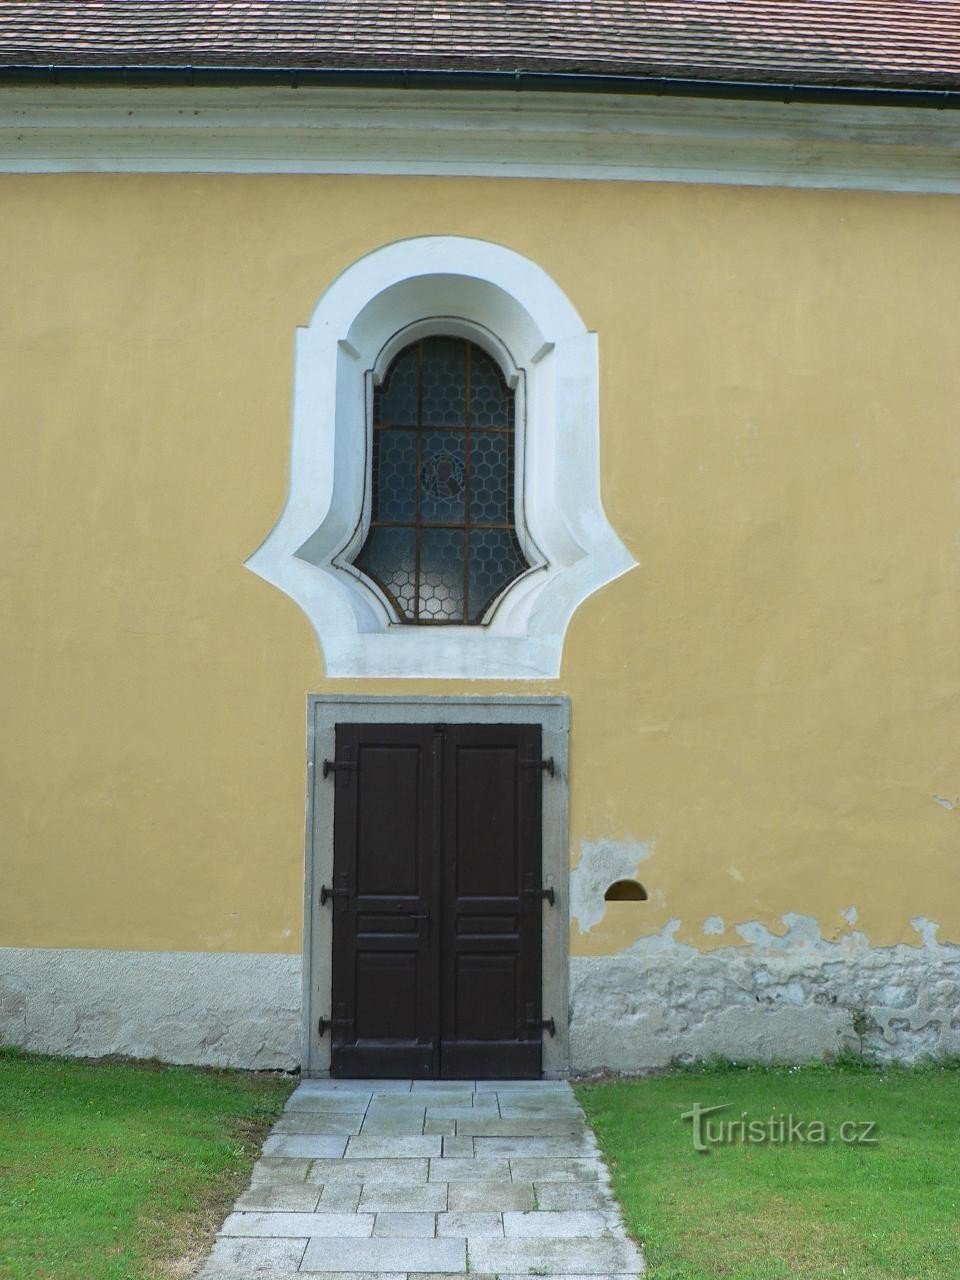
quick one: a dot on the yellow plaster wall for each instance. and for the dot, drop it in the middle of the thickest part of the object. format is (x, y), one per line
(771, 699)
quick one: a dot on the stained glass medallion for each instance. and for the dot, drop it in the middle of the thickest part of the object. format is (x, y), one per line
(442, 543)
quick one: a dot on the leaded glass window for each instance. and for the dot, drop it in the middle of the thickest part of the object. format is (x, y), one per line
(442, 543)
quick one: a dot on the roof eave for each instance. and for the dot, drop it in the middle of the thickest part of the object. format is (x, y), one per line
(465, 78)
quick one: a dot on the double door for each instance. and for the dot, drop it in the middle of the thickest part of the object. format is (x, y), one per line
(437, 901)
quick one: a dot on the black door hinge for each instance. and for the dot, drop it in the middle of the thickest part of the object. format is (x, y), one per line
(546, 765)
(326, 1024)
(339, 766)
(548, 895)
(326, 894)
(541, 1024)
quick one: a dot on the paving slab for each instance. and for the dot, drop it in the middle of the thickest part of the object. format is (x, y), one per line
(332, 1103)
(327, 1084)
(397, 1103)
(367, 1171)
(483, 1126)
(444, 1128)
(307, 1145)
(395, 1197)
(560, 1169)
(558, 1257)
(419, 1226)
(281, 1171)
(519, 1110)
(447, 1111)
(533, 1087)
(340, 1197)
(439, 1275)
(256, 1254)
(392, 1147)
(287, 1198)
(401, 1180)
(469, 1224)
(385, 1253)
(557, 1224)
(298, 1224)
(458, 1147)
(440, 1091)
(476, 1197)
(394, 1125)
(318, 1122)
(455, 1169)
(571, 1195)
(528, 1148)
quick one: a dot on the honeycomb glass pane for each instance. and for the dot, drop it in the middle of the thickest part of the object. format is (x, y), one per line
(491, 458)
(444, 389)
(496, 559)
(395, 403)
(395, 475)
(441, 575)
(491, 402)
(389, 557)
(442, 477)
(442, 543)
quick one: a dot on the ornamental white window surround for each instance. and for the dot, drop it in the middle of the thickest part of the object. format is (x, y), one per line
(513, 310)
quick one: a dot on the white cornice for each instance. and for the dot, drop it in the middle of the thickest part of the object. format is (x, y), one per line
(496, 134)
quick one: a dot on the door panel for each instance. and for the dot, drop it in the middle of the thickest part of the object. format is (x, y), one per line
(383, 952)
(437, 909)
(491, 929)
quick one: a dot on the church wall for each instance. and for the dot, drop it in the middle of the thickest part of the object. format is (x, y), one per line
(763, 713)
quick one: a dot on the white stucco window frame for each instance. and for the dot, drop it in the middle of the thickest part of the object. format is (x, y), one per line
(512, 308)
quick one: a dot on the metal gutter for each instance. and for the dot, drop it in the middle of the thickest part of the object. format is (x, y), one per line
(505, 81)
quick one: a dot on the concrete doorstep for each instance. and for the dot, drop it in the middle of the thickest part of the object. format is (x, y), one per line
(418, 1180)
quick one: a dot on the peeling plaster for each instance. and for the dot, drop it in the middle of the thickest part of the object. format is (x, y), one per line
(850, 915)
(601, 863)
(781, 997)
(714, 925)
(944, 803)
(926, 929)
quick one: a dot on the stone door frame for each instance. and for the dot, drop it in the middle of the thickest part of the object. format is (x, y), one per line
(324, 712)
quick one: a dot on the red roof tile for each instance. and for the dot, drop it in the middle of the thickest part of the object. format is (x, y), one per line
(893, 43)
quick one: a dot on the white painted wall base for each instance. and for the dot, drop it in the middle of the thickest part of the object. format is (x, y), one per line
(787, 998)
(777, 998)
(207, 1009)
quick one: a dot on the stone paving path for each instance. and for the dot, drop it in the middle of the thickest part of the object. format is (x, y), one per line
(393, 1180)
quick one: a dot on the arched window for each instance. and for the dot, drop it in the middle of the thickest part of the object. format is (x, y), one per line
(442, 540)
(485, 503)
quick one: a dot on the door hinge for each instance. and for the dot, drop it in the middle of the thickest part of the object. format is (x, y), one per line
(326, 894)
(326, 1024)
(542, 1024)
(546, 765)
(548, 895)
(339, 766)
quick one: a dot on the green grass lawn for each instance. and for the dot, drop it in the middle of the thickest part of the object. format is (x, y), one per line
(888, 1210)
(121, 1171)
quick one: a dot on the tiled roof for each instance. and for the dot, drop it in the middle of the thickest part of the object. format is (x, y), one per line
(889, 43)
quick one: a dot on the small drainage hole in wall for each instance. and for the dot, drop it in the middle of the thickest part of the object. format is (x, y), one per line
(625, 891)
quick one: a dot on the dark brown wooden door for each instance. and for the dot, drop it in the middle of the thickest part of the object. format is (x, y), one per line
(437, 906)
